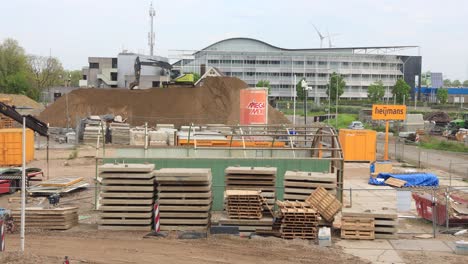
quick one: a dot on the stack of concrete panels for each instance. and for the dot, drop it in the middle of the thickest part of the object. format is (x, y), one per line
(92, 131)
(164, 126)
(120, 133)
(298, 185)
(137, 136)
(157, 138)
(253, 178)
(184, 199)
(171, 134)
(126, 197)
(48, 219)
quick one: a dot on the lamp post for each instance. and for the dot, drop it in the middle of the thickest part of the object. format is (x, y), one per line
(23, 186)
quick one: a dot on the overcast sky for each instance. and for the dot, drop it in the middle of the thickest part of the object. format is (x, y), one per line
(74, 30)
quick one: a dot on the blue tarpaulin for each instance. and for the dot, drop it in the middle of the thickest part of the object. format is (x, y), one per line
(412, 179)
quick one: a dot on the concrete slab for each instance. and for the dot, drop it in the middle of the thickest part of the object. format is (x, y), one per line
(376, 255)
(365, 244)
(426, 245)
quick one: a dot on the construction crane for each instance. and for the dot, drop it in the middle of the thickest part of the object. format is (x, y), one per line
(185, 79)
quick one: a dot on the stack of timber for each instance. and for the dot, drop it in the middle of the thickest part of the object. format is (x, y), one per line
(184, 199)
(298, 220)
(253, 178)
(325, 203)
(357, 228)
(59, 185)
(242, 204)
(126, 197)
(385, 221)
(93, 130)
(298, 185)
(49, 219)
(120, 133)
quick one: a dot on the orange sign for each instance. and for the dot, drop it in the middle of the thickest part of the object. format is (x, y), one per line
(388, 112)
(254, 106)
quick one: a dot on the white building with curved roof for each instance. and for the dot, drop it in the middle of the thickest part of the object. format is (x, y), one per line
(253, 60)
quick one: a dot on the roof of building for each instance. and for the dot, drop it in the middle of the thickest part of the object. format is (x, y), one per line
(262, 44)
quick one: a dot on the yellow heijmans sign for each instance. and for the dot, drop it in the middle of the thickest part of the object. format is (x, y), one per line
(388, 112)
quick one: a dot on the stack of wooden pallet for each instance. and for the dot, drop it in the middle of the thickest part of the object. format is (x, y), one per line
(325, 203)
(127, 197)
(253, 178)
(50, 219)
(298, 185)
(298, 220)
(357, 228)
(120, 133)
(385, 221)
(242, 204)
(184, 199)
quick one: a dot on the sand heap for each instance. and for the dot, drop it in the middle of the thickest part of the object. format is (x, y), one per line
(217, 101)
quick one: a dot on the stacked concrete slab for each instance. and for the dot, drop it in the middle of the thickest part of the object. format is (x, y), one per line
(137, 136)
(92, 131)
(48, 219)
(120, 133)
(157, 138)
(184, 199)
(126, 197)
(298, 185)
(253, 178)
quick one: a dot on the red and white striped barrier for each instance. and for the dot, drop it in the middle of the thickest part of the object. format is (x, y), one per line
(2, 236)
(156, 218)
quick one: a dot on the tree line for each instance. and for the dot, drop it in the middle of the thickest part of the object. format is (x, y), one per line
(30, 75)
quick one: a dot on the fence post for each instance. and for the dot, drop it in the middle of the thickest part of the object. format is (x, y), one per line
(434, 214)
(450, 173)
(447, 208)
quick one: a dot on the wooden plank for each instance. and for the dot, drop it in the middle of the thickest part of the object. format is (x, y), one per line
(395, 182)
(124, 228)
(61, 182)
(124, 175)
(127, 201)
(127, 194)
(108, 181)
(125, 221)
(357, 234)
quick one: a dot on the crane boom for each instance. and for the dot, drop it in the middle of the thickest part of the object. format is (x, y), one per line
(31, 122)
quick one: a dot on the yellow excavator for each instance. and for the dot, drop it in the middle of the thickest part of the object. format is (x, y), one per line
(184, 79)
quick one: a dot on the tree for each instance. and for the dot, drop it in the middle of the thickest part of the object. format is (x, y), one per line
(73, 77)
(45, 72)
(376, 91)
(300, 92)
(442, 95)
(456, 83)
(465, 83)
(264, 83)
(401, 91)
(336, 82)
(13, 68)
(447, 83)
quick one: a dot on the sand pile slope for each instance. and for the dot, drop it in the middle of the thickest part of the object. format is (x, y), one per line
(217, 101)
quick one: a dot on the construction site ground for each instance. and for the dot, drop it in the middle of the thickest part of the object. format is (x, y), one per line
(85, 244)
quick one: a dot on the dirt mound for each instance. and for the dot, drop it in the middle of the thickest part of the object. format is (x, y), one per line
(217, 101)
(22, 101)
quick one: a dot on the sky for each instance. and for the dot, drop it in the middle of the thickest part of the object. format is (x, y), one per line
(74, 30)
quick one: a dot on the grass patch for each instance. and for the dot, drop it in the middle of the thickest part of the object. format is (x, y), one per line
(433, 143)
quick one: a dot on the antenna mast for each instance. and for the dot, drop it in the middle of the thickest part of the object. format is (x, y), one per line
(152, 13)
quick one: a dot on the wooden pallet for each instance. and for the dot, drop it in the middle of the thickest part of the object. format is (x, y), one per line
(325, 203)
(298, 185)
(298, 220)
(243, 204)
(358, 234)
(385, 221)
(184, 198)
(395, 182)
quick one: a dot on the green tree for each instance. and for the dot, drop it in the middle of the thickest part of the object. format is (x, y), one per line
(264, 83)
(401, 90)
(447, 83)
(73, 77)
(45, 72)
(13, 68)
(335, 83)
(376, 91)
(196, 77)
(300, 92)
(456, 83)
(442, 95)
(465, 83)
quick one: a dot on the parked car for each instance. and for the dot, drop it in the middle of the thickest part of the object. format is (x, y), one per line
(356, 125)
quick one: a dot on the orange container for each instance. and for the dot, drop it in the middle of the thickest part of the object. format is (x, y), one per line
(11, 146)
(358, 145)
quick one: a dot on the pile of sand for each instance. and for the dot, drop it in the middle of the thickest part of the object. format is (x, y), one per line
(217, 101)
(30, 106)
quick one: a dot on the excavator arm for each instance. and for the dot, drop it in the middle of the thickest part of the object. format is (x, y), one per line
(31, 122)
(154, 63)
